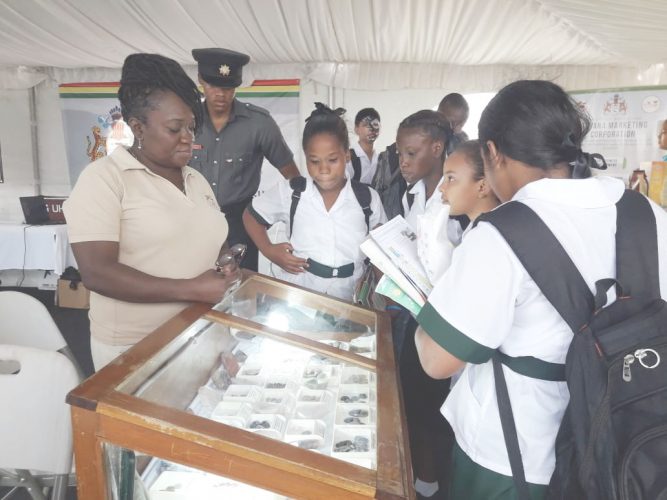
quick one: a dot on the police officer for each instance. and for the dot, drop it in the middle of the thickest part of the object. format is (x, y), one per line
(233, 142)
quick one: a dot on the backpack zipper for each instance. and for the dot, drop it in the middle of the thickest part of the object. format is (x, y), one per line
(640, 354)
(634, 444)
(604, 410)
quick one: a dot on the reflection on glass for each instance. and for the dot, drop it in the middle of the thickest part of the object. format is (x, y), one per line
(243, 379)
(134, 476)
(171, 481)
(315, 317)
(123, 482)
(293, 395)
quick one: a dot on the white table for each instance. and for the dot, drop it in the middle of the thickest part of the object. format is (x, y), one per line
(35, 247)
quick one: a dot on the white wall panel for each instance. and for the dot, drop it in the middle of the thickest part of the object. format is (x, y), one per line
(16, 144)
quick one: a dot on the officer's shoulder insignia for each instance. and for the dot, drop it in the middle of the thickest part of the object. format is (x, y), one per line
(224, 70)
(257, 109)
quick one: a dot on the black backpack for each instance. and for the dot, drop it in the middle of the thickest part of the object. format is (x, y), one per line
(361, 191)
(389, 183)
(356, 165)
(612, 442)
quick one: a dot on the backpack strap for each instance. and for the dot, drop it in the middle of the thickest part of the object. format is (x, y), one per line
(356, 165)
(462, 219)
(549, 265)
(298, 185)
(545, 260)
(363, 194)
(637, 261)
(509, 432)
(409, 197)
(392, 151)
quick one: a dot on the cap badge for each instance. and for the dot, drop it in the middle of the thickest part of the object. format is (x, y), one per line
(224, 70)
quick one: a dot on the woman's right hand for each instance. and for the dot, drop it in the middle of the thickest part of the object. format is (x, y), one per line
(282, 255)
(210, 286)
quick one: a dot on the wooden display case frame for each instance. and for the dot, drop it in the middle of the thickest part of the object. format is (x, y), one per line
(101, 414)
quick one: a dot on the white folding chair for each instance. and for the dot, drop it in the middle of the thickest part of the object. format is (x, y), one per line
(35, 426)
(25, 321)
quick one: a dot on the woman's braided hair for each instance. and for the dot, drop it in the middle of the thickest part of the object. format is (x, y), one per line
(145, 74)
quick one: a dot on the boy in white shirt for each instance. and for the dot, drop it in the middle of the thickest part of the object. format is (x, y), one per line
(363, 160)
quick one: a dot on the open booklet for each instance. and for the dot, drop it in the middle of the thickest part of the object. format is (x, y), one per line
(392, 248)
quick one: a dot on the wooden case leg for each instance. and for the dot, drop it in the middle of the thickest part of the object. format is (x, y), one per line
(91, 480)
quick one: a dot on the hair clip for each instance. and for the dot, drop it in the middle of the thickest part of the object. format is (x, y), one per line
(322, 109)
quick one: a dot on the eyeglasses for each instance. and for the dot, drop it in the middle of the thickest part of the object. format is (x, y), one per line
(372, 123)
(230, 261)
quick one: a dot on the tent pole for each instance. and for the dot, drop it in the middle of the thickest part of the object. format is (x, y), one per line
(32, 102)
(332, 88)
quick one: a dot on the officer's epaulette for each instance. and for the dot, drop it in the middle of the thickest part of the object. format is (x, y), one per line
(257, 109)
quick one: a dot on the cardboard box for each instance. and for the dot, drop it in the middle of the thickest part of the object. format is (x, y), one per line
(657, 183)
(73, 294)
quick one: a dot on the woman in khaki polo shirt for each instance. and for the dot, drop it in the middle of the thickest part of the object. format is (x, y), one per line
(145, 228)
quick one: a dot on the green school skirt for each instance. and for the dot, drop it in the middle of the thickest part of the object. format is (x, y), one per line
(471, 481)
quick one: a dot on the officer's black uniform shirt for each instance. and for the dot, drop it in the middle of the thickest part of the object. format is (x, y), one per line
(231, 160)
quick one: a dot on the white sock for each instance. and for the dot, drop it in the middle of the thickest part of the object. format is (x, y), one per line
(426, 489)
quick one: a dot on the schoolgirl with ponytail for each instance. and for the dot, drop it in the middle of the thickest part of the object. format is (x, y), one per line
(422, 142)
(324, 214)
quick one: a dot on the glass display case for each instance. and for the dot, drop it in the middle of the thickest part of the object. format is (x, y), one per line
(275, 392)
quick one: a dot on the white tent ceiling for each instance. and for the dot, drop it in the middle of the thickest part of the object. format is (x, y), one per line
(350, 43)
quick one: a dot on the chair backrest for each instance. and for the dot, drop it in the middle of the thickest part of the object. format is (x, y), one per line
(35, 427)
(25, 321)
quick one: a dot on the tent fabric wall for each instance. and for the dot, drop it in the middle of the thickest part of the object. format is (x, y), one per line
(401, 76)
(17, 149)
(473, 45)
(94, 33)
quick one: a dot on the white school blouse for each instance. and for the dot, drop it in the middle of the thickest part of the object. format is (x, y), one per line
(486, 300)
(437, 234)
(368, 166)
(331, 238)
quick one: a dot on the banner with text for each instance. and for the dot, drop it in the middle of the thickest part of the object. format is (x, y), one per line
(624, 125)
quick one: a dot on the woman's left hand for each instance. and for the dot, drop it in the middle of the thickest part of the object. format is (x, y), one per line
(210, 286)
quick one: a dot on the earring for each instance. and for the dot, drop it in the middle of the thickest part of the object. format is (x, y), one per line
(139, 145)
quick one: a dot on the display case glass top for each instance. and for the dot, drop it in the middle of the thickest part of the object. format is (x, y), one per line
(243, 378)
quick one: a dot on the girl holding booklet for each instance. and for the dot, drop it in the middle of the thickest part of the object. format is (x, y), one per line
(422, 140)
(463, 192)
